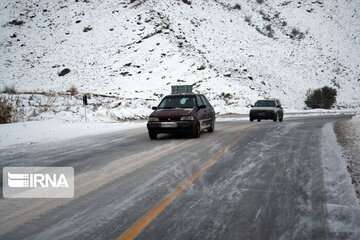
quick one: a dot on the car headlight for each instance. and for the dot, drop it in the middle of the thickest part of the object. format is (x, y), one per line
(187, 118)
(153, 119)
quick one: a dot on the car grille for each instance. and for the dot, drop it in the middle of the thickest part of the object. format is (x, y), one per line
(169, 119)
(263, 113)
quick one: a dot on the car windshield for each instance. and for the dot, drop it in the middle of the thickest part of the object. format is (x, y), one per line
(265, 103)
(178, 102)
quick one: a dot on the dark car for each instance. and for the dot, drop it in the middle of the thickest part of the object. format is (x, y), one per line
(182, 113)
(267, 109)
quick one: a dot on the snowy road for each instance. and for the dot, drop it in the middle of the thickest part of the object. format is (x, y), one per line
(245, 181)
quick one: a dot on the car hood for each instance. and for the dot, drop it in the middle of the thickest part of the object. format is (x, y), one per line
(174, 112)
(263, 108)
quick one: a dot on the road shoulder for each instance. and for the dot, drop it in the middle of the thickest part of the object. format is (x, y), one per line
(341, 203)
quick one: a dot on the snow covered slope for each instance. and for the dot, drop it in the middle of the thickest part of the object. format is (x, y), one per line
(233, 51)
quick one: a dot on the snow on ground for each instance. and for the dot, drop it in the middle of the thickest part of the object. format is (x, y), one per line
(53, 130)
(232, 118)
(69, 127)
(317, 112)
(137, 50)
(30, 107)
(342, 205)
(287, 115)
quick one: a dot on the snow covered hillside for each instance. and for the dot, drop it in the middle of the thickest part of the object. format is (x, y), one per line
(232, 51)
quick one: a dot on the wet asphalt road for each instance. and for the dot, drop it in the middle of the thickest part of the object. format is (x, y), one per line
(244, 181)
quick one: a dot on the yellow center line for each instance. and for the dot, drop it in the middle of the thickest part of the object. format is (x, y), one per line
(134, 230)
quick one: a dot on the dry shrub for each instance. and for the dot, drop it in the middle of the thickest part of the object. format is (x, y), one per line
(324, 97)
(73, 91)
(6, 110)
(9, 90)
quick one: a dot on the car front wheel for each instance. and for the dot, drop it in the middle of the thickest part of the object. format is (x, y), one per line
(196, 131)
(152, 135)
(212, 126)
(275, 117)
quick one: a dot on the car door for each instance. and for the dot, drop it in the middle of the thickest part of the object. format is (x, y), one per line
(209, 111)
(201, 112)
(280, 109)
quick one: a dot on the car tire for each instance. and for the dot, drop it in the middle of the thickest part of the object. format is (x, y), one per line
(281, 119)
(152, 135)
(196, 131)
(251, 119)
(212, 126)
(259, 120)
(275, 117)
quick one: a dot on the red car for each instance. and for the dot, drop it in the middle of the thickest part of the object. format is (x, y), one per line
(182, 113)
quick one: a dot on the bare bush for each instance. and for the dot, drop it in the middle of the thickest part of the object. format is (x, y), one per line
(16, 22)
(269, 31)
(73, 91)
(87, 29)
(6, 111)
(248, 19)
(296, 34)
(9, 90)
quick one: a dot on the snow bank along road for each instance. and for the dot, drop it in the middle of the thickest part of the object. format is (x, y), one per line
(245, 181)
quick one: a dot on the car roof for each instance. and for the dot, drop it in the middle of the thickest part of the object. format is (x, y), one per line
(183, 94)
(268, 99)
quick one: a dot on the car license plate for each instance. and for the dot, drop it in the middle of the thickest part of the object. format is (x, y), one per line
(168, 124)
(261, 114)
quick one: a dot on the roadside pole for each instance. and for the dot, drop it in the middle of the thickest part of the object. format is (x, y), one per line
(85, 102)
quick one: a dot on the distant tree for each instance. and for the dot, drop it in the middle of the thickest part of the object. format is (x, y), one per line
(324, 97)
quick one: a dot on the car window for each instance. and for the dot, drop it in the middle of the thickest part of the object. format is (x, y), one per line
(178, 102)
(199, 101)
(205, 101)
(265, 103)
(183, 101)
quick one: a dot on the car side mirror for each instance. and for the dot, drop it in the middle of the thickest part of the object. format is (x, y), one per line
(154, 108)
(202, 106)
(251, 105)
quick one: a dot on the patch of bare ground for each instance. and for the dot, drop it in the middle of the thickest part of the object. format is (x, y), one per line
(348, 135)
